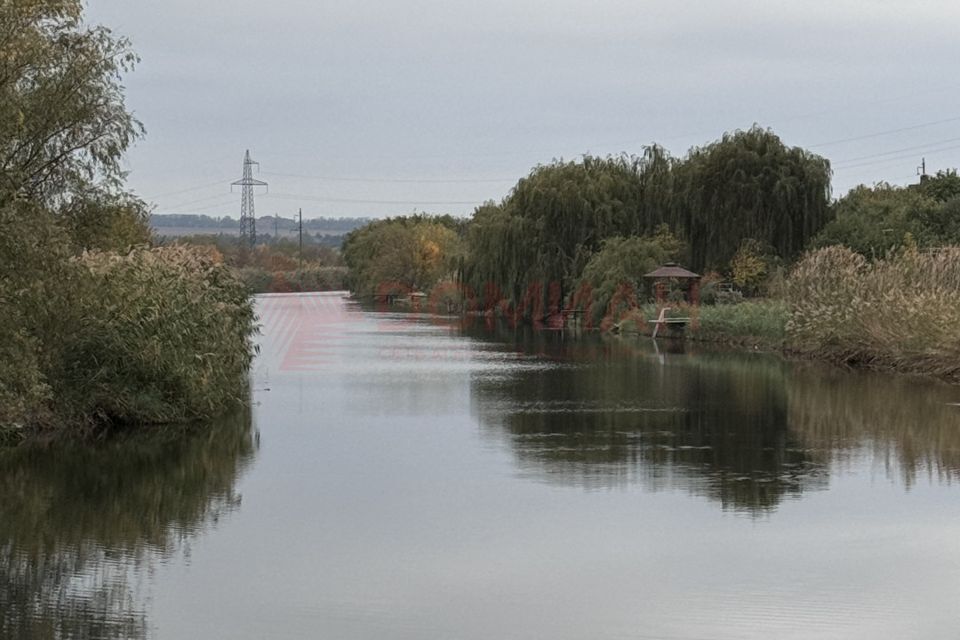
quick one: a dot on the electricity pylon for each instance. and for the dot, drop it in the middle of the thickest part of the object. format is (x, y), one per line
(248, 217)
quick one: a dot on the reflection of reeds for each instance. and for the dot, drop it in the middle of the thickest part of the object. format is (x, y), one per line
(913, 428)
(902, 312)
(88, 515)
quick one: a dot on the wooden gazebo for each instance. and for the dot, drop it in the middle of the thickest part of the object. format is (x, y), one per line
(672, 271)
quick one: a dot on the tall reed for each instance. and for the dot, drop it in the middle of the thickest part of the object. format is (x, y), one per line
(901, 312)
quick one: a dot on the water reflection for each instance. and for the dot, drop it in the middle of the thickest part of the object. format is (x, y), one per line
(745, 430)
(910, 426)
(82, 526)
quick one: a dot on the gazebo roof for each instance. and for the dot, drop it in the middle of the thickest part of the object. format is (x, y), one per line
(672, 270)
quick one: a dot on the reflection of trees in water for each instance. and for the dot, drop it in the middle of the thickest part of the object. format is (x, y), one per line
(912, 425)
(614, 414)
(746, 431)
(81, 524)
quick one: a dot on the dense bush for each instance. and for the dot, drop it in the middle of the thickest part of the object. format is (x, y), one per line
(255, 279)
(150, 336)
(161, 335)
(874, 220)
(33, 269)
(902, 312)
(748, 186)
(319, 279)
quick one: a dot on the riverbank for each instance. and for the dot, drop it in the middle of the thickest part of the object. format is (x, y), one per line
(752, 323)
(899, 314)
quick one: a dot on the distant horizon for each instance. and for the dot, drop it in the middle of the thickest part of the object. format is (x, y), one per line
(835, 195)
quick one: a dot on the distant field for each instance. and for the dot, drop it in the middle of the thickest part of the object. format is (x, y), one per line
(213, 231)
(330, 230)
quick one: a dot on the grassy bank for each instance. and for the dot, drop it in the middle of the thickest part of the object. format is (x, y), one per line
(901, 313)
(754, 322)
(759, 323)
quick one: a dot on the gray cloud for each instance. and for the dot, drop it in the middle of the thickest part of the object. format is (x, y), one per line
(482, 91)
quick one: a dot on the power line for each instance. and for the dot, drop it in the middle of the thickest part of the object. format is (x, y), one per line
(219, 207)
(394, 180)
(200, 200)
(926, 151)
(706, 132)
(919, 147)
(878, 134)
(187, 190)
(313, 198)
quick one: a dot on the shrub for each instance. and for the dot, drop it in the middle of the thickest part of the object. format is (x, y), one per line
(23, 391)
(728, 296)
(32, 272)
(158, 335)
(319, 279)
(256, 280)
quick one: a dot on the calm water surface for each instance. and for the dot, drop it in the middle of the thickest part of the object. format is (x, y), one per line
(406, 477)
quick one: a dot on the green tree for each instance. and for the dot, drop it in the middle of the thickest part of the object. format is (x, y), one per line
(749, 185)
(407, 253)
(752, 266)
(943, 186)
(105, 222)
(63, 121)
(544, 233)
(874, 220)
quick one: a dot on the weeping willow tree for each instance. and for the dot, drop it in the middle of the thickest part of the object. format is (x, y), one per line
(498, 259)
(532, 247)
(749, 185)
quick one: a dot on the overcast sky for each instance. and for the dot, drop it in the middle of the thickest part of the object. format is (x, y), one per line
(374, 108)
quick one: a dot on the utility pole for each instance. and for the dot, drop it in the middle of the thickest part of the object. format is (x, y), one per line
(922, 170)
(276, 226)
(248, 217)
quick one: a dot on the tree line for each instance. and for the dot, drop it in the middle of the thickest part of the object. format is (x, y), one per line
(742, 209)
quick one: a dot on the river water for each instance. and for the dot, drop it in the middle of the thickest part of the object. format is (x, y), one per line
(405, 476)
